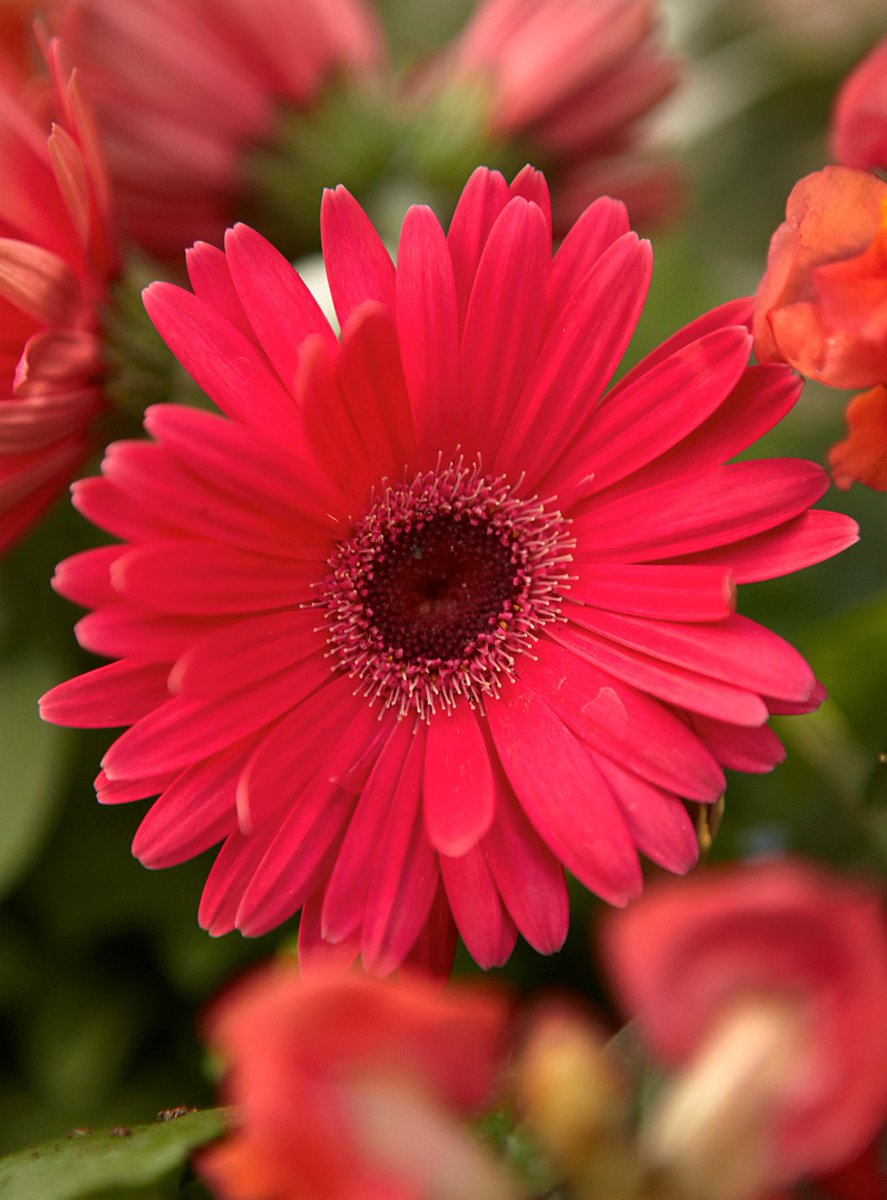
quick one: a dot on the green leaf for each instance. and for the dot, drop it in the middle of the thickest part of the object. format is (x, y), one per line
(33, 756)
(82, 1165)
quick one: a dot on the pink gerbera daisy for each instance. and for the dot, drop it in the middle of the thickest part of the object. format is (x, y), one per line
(184, 89)
(426, 616)
(55, 260)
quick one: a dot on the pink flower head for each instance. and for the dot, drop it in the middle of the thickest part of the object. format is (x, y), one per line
(427, 616)
(574, 79)
(859, 124)
(182, 88)
(55, 258)
(691, 960)
(350, 1088)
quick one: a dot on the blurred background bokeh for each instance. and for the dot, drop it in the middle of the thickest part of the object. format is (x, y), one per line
(103, 969)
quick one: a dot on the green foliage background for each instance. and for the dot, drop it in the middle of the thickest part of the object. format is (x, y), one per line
(103, 970)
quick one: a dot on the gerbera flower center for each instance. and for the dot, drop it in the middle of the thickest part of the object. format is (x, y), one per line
(443, 584)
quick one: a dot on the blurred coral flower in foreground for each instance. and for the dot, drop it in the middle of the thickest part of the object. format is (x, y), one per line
(55, 259)
(427, 616)
(572, 81)
(184, 88)
(351, 1088)
(767, 986)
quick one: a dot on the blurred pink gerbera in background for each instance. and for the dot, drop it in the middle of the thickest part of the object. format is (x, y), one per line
(767, 985)
(352, 1088)
(426, 616)
(55, 259)
(183, 88)
(573, 80)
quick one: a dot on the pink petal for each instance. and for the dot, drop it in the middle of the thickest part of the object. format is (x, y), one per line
(225, 364)
(577, 360)
(193, 813)
(435, 947)
(662, 591)
(182, 731)
(85, 578)
(117, 694)
(661, 409)
(427, 326)
(357, 264)
(736, 650)
(372, 385)
(107, 506)
(173, 497)
(528, 877)
(235, 865)
(505, 321)
(405, 874)
(740, 749)
(623, 723)
(280, 307)
(659, 823)
(459, 789)
(487, 930)
(532, 185)
(318, 958)
(734, 312)
(259, 474)
(810, 538)
(483, 198)
(39, 283)
(123, 630)
(348, 888)
(119, 791)
(211, 280)
(242, 653)
(601, 224)
(564, 795)
(194, 577)
(675, 685)
(692, 514)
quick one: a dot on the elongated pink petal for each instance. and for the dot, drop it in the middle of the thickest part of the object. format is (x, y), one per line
(38, 282)
(689, 515)
(225, 364)
(117, 694)
(667, 681)
(736, 649)
(483, 198)
(459, 791)
(182, 730)
(660, 591)
(602, 224)
(281, 309)
(565, 796)
(346, 896)
(317, 957)
(504, 323)
(405, 874)
(577, 360)
(194, 813)
(487, 930)
(200, 577)
(809, 538)
(663, 408)
(527, 875)
(358, 266)
(754, 750)
(629, 727)
(659, 822)
(427, 326)
(85, 578)
(211, 280)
